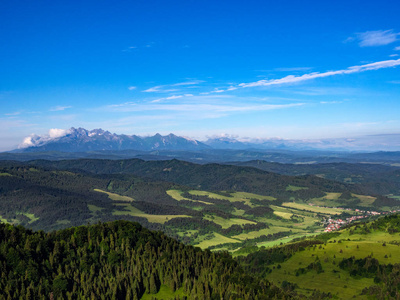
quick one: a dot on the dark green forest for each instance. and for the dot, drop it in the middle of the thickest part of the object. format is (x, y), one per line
(117, 260)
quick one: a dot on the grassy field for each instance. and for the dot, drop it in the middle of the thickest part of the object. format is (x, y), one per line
(294, 188)
(177, 195)
(365, 200)
(285, 215)
(217, 239)
(332, 200)
(226, 223)
(32, 217)
(272, 230)
(115, 197)
(322, 210)
(5, 174)
(63, 222)
(94, 208)
(127, 209)
(285, 240)
(333, 279)
(236, 196)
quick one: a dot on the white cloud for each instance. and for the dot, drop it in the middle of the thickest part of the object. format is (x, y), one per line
(131, 88)
(331, 102)
(37, 140)
(199, 106)
(393, 55)
(59, 108)
(166, 98)
(171, 87)
(294, 79)
(173, 97)
(397, 48)
(377, 38)
(56, 133)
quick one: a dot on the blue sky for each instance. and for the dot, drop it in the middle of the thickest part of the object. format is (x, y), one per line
(256, 69)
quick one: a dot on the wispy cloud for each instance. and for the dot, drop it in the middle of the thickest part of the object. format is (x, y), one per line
(331, 102)
(377, 38)
(13, 114)
(397, 48)
(171, 87)
(129, 49)
(166, 98)
(295, 79)
(131, 88)
(201, 106)
(59, 108)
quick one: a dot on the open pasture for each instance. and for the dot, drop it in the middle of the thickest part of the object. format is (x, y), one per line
(217, 239)
(321, 210)
(127, 209)
(235, 197)
(177, 195)
(226, 223)
(115, 197)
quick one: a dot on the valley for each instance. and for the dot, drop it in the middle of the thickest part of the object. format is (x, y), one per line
(294, 231)
(235, 207)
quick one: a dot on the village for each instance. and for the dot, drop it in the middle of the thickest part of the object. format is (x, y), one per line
(335, 224)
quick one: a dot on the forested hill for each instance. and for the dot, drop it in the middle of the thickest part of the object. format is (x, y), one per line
(118, 260)
(214, 177)
(370, 177)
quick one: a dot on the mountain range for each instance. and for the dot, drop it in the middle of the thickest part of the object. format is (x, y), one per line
(83, 140)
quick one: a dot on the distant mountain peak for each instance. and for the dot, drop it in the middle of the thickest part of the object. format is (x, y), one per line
(83, 140)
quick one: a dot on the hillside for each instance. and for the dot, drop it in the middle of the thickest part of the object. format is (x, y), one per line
(371, 178)
(118, 260)
(360, 261)
(210, 206)
(213, 177)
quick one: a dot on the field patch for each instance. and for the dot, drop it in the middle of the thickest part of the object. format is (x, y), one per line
(127, 209)
(272, 230)
(63, 222)
(32, 217)
(177, 195)
(293, 188)
(5, 174)
(235, 197)
(322, 210)
(217, 239)
(285, 215)
(365, 200)
(115, 197)
(226, 223)
(94, 208)
(332, 196)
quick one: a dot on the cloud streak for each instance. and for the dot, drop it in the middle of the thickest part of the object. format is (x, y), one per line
(351, 70)
(197, 108)
(171, 87)
(377, 38)
(59, 108)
